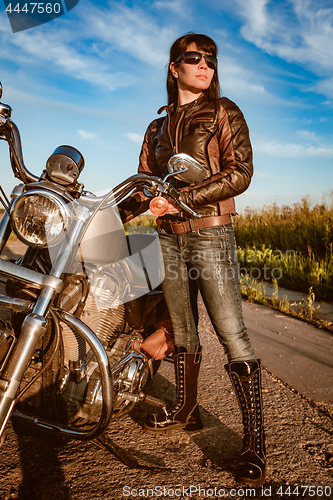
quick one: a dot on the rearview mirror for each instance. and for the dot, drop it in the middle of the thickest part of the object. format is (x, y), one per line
(186, 169)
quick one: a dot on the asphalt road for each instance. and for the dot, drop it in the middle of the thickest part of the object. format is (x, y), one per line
(299, 354)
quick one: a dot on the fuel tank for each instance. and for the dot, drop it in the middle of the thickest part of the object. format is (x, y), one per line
(105, 239)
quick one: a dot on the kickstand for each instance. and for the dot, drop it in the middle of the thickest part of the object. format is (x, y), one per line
(104, 442)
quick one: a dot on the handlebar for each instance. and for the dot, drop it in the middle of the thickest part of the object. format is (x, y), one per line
(155, 185)
(11, 134)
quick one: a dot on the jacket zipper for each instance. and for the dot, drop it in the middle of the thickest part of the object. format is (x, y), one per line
(168, 132)
(174, 146)
(176, 131)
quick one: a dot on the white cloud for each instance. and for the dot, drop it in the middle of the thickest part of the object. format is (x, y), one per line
(308, 136)
(292, 150)
(307, 121)
(325, 86)
(60, 48)
(255, 13)
(239, 80)
(300, 32)
(178, 7)
(323, 145)
(131, 29)
(11, 94)
(89, 136)
(136, 138)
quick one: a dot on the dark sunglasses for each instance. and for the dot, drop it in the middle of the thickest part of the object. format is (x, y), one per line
(192, 57)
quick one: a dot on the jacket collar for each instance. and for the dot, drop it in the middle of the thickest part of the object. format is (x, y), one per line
(172, 108)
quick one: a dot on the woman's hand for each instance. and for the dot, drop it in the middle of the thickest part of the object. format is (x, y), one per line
(173, 208)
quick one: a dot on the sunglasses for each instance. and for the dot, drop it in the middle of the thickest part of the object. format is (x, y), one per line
(192, 57)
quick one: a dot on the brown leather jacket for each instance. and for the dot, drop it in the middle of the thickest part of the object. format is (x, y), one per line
(215, 134)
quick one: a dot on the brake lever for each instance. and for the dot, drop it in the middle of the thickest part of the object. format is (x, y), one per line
(185, 208)
(169, 190)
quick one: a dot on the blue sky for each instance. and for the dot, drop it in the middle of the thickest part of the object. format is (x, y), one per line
(95, 77)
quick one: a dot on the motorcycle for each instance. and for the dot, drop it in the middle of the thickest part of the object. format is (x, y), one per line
(84, 298)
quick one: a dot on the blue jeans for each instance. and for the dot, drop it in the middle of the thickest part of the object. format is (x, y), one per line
(205, 260)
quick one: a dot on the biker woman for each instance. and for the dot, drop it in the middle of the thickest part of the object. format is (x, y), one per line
(200, 254)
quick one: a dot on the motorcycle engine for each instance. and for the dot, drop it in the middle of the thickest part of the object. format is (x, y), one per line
(97, 302)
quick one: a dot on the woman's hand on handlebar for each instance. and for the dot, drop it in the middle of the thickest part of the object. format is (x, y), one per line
(173, 208)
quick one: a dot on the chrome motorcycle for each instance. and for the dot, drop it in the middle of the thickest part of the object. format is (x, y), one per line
(83, 296)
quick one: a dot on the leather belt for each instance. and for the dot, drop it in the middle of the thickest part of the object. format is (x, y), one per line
(181, 227)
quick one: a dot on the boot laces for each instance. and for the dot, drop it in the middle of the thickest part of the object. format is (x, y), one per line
(179, 375)
(249, 396)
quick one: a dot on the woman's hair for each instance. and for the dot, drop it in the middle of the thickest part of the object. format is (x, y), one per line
(203, 43)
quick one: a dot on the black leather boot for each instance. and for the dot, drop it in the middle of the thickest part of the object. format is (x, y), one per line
(184, 413)
(246, 379)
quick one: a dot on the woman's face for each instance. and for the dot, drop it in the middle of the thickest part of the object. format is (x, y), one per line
(192, 78)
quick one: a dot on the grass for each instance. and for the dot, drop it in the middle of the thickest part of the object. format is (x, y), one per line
(304, 227)
(143, 223)
(291, 244)
(326, 409)
(293, 270)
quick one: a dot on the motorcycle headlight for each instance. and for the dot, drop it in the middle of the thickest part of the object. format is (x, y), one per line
(39, 218)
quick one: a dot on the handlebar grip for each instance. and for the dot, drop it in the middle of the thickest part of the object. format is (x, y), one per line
(159, 206)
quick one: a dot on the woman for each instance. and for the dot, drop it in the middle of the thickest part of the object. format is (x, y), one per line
(200, 254)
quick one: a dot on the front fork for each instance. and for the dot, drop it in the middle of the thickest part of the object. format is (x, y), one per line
(34, 325)
(33, 329)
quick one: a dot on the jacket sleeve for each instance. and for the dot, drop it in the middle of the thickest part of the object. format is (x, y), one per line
(147, 159)
(137, 202)
(236, 167)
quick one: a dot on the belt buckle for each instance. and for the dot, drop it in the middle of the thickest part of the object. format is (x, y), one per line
(192, 225)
